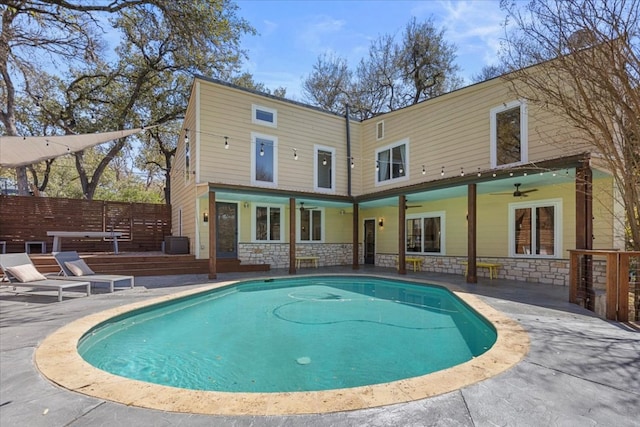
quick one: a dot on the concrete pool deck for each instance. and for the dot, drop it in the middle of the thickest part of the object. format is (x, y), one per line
(580, 370)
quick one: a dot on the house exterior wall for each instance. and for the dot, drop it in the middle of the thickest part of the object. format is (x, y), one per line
(227, 111)
(183, 178)
(453, 131)
(450, 133)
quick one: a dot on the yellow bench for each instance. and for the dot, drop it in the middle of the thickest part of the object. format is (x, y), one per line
(415, 262)
(310, 259)
(493, 268)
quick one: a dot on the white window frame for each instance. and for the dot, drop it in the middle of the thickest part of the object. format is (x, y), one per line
(524, 134)
(316, 156)
(380, 130)
(274, 140)
(322, 225)
(443, 228)
(257, 121)
(390, 148)
(254, 228)
(557, 230)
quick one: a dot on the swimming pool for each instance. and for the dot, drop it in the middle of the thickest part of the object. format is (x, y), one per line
(58, 360)
(292, 334)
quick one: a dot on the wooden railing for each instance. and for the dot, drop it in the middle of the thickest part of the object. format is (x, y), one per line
(622, 282)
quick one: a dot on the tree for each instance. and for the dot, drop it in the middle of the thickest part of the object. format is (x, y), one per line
(489, 72)
(329, 83)
(164, 41)
(394, 75)
(587, 69)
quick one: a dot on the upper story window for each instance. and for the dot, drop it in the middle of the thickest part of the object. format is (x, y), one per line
(380, 130)
(268, 224)
(391, 162)
(264, 160)
(535, 228)
(187, 158)
(509, 134)
(425, 233)
(324, 169)
(311, 225)
(264, 116)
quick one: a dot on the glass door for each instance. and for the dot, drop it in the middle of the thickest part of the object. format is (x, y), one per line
(370, 241)
(227, 230)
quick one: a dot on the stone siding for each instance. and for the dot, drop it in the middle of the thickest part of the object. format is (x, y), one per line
(277, 254)
(538, 270)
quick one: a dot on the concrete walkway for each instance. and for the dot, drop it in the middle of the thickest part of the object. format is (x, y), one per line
(580, 370)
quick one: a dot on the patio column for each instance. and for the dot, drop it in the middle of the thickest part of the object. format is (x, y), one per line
(356, 233)
(471, 234)
(402, 206)
(292, 235)
(213, 217)
(584, 229)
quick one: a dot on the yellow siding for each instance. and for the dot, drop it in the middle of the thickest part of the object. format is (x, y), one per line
(603, 218)
(227, 112)
(454, 131)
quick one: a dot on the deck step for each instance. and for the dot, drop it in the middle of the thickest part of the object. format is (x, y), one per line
(148, 264)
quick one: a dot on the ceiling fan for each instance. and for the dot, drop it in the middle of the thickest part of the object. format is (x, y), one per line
(302, 208)
(407, 206)
(517, 193)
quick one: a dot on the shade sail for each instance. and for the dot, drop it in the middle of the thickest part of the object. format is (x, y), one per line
(25, 150)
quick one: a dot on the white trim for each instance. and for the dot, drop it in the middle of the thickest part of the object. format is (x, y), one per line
(274, 139)
(524, 132)
(257, 121)
(253, 207)
(443, 227)
(390, 148)
(316, 149)
(323, 218)
(557, 227)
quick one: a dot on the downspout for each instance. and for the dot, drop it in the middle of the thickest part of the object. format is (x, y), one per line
(346, 115)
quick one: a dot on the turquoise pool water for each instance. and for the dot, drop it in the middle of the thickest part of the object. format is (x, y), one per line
(292, 334)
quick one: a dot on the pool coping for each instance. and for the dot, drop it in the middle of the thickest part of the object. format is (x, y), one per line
(58, 360)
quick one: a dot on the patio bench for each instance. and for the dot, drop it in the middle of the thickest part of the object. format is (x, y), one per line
(493, 268)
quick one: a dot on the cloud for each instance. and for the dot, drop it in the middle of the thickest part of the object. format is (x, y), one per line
(318, 34)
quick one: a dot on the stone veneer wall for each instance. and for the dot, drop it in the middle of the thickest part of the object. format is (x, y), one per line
(540, 270)
(277, 254)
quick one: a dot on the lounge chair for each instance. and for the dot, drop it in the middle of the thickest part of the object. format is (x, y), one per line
(72, 267)
(21, 272)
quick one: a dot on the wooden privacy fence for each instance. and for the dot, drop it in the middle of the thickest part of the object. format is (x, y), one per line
(27, 219)
(621, 282)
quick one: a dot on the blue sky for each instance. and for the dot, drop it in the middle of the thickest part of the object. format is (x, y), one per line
(293, 33)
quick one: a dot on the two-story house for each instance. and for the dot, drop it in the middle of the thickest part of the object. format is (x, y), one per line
(470, 176)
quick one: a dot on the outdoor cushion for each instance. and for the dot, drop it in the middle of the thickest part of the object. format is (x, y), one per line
(25, 273)
(79, 268)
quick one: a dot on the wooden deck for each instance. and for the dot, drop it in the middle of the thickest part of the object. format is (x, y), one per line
(147, 264)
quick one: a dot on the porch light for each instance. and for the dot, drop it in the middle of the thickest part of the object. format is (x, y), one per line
(226, 143)
(205, 216)
(381, 222)
(424, 170)
(186, 136)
